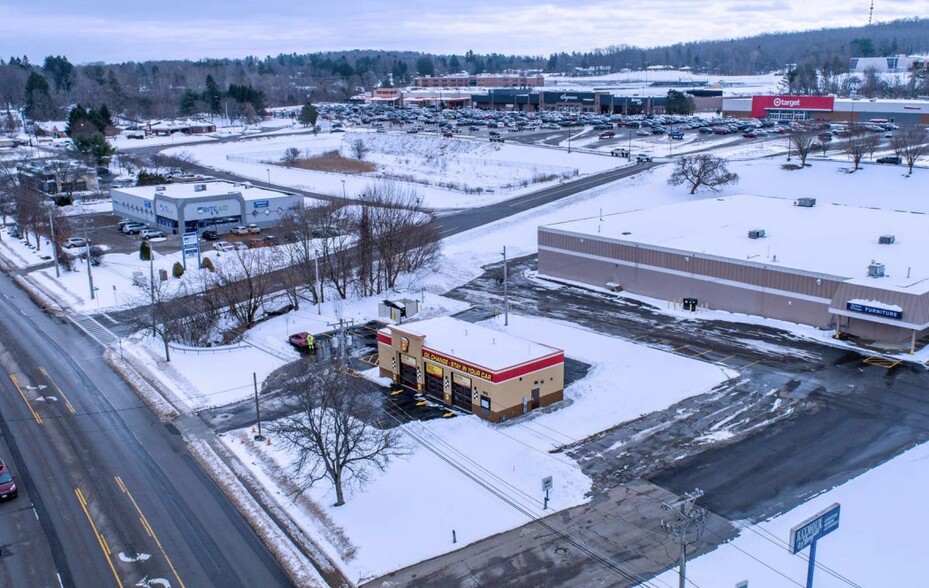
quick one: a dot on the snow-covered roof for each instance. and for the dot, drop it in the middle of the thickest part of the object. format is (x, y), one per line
(494, 350)
(832, 240)
(215, 188)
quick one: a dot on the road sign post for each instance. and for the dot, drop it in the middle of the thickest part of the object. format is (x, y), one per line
(190, 247)
(807, 533)
(546, 486)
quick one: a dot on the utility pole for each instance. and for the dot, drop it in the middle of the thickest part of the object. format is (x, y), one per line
(342, 324)
(686, 527)
(506, 300)
(259, 436)
(319, 296)
(51, 224)
(90, 277)
(151, 284)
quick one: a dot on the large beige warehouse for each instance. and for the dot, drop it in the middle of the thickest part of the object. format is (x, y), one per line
(862, 271)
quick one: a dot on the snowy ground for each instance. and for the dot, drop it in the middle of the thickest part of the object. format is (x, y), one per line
(474, 172)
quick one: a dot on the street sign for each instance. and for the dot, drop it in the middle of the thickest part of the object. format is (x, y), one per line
(814, 528)
(546, 483)
(189, 239)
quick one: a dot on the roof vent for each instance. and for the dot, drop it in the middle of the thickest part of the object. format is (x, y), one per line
(159, 188)
(199, 187)
(805, 202)
(876, 270)
(756, 234)
(886, 240)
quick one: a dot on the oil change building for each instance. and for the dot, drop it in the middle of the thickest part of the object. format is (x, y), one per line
(861, 271)
(490, 373)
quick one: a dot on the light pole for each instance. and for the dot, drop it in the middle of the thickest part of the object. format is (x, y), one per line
(343, 189)
(269, 175)
(506, 300)
(51, 222)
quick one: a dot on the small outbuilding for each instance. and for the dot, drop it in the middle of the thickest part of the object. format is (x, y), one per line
(480, 370)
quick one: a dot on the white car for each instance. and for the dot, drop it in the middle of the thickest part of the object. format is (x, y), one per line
(223, 246)
(151, 234)
(239, 230)
(76, 242)
(240, 246)
(253, 229)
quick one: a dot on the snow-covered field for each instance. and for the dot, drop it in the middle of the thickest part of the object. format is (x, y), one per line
(456, 172)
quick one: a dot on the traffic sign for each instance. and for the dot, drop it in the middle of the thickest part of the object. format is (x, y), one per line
(546, 483)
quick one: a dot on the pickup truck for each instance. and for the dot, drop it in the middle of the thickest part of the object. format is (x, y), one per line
(620, 153)
(678, 135)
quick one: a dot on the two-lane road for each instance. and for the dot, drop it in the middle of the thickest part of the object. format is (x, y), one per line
(120, 500)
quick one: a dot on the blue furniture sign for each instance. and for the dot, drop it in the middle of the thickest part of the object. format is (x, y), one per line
(876, 311)
(817, 527)
(260, 204)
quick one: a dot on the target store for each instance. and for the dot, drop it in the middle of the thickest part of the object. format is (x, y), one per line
(828, 108)
(490, 373)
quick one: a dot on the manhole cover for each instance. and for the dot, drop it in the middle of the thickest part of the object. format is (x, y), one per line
(561, 551)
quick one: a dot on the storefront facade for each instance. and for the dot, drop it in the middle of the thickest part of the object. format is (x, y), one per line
(493, 375)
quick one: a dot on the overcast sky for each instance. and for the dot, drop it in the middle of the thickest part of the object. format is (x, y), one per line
(138, 30)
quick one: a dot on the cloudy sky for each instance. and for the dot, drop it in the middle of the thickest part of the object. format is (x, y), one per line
(137, 30)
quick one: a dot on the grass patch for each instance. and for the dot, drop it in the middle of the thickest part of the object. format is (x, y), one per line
(332, 161)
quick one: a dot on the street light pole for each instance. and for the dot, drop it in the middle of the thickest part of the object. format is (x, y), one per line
(343, 189)
(269, 175)
(51, 222)
(506, 300)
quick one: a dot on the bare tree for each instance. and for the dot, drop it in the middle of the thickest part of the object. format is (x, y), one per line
(335, 429)
(241, 282)
(803, 142)
(359, 148)
(857, 144)
(909, 143)
(291, 156)
(303, 227)
(402, 238)
(31, 213)
(702, 170)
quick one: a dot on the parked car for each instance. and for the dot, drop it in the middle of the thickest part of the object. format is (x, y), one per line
(239, 246)
(889, 159)
(303, 342)
(447, 134)
(270, 240)
(76, 242)
(239, 230)
(7, 484)
(14, 231)
(223, 246)
(607, 135)
(253, 228)
(151, 234)
(291, 237)
(620, 153)
(133, 228)
(210, 235)
(678, 135)
(497, 139)
(643, 157)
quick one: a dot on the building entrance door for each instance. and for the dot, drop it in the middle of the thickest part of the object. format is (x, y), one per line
(536, 399)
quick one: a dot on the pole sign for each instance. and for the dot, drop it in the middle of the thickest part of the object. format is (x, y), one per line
(546, 483)
(812, 529)
(189, 239)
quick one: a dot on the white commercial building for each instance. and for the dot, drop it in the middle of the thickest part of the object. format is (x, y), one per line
(185, 208)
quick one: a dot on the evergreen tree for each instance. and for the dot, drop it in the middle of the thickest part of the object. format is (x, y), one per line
(212, 95)
(62, 72)
(308, 115)
(37, 100)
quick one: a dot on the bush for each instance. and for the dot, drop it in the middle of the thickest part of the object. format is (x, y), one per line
(177, 270)
(207, 264)
(145, 251)
(96, 255)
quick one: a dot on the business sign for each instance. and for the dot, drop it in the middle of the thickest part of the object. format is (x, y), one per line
(260, 204)
(189, 239)
(762, 104)
(459, 365)
(814, 528)
(566, 98)
(148, 204)
(191, 251)
(212, 209)
(874, 310)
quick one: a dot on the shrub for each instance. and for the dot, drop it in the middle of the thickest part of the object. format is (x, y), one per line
(177, 270)
(207, 264)
(145, 251)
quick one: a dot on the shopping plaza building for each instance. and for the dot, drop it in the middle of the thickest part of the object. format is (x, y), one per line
(473, 368)
(828, 108)
(859, 271)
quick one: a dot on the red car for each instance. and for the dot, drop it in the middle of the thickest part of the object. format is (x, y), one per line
(303, 341)
(7, 485)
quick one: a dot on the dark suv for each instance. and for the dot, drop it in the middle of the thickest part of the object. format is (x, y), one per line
(889, 159)
(210, 235)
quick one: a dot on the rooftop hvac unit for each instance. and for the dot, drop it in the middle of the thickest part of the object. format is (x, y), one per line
(199, 187)
(756, 234)
(886, 239)
(159, 188)
(876, 270)
(805, 202)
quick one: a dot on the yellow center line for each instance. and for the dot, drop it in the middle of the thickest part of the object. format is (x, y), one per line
(148, 528)
(103, 544)
(60, 391)
(35, 415)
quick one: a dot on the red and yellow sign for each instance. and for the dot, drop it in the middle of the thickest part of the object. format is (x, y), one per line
(458, 365)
